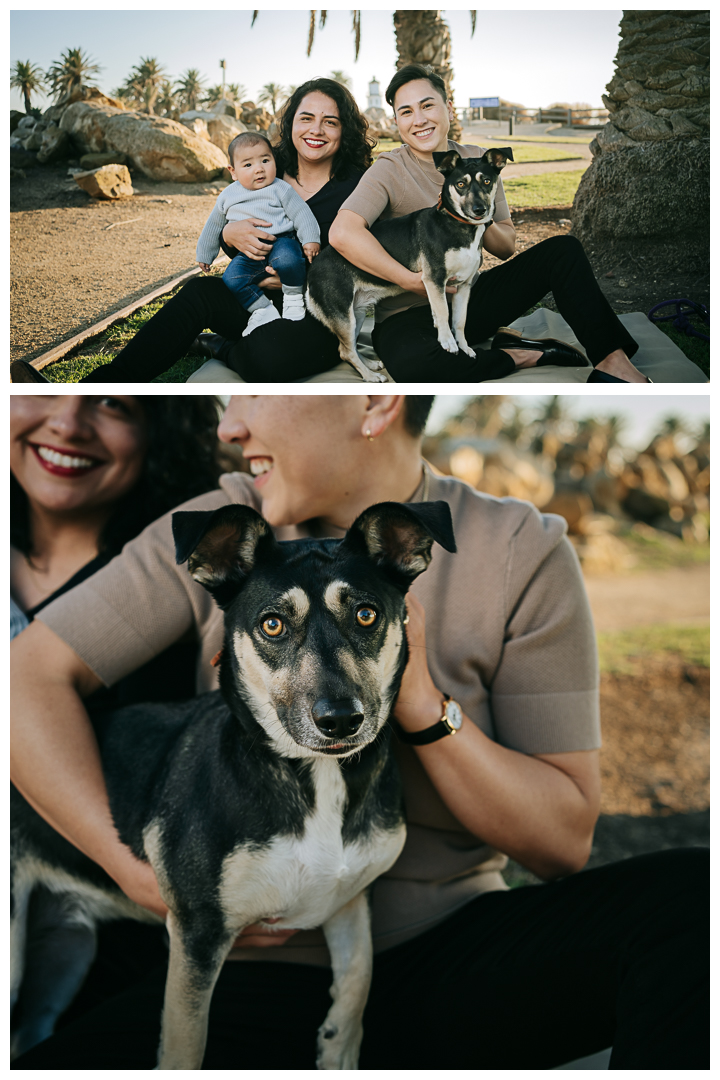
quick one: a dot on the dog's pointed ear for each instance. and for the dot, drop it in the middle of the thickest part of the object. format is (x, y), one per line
(399, 536)
(498, 157)
(446, 161)
(220, 546)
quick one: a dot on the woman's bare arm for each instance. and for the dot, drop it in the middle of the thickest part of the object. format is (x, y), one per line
(540, 810)
(349, 234)
(55, 761)
(499, 239)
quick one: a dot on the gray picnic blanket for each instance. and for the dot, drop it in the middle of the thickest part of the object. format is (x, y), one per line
(657, 356)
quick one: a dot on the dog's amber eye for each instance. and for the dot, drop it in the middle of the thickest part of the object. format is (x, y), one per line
(461, 183)
(366, 616)
(273, 627)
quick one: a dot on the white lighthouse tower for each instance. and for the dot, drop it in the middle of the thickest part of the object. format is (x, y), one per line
(375, 103)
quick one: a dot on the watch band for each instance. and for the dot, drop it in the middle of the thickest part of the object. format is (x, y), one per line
(433, 733)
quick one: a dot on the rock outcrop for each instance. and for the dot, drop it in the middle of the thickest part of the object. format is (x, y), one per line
(162, 149)
(107, 182)
(650, 174)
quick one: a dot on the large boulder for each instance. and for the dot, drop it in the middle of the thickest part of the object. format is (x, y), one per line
(259, 119)
(162, 149)
(15, 118)
(198, 127)
(223, 129)
(80, 93)
(55, 145)
(108, 182)
(96, 161)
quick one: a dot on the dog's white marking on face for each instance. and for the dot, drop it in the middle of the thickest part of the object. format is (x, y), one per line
(303, 880)
(333, 596)
(256, 686)
(297, 599)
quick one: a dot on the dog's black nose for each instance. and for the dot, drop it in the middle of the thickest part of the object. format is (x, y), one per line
(338, 719)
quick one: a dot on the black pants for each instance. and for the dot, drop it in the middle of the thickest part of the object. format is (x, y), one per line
(527, 979)
(280, 351)
(407, 343)
(408, 346)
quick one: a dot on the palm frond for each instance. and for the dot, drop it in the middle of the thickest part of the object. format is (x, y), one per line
(473, 20)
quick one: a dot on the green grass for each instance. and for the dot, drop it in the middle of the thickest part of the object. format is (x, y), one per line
(523, 155)
(510, 140)
(619, 649)
(545, 189)
(654, 549)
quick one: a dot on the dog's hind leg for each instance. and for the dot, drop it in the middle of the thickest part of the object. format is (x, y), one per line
(459, 314)
(343, 325)
(61, 946)
(360, 311)
(348, 938)
(196, 957)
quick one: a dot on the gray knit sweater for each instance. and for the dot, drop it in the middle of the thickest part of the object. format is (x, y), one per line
(277, 203)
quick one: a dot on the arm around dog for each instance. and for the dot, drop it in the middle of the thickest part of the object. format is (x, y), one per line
(499, 239)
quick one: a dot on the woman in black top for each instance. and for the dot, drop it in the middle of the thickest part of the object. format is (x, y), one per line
(323, 151)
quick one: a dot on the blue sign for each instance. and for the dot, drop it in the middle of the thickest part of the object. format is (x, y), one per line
(484, 102)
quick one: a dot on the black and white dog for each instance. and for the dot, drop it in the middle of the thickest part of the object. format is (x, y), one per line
(442, 242)
(275, 799)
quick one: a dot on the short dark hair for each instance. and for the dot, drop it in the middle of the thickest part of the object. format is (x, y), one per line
(248, 138)
(417, 410)
(410, 73)
(356, 145)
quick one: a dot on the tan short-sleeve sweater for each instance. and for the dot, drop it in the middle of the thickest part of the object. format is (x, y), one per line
(400, 183)
(510, 637)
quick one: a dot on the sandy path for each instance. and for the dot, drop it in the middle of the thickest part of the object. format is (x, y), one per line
(68, 270)
(677, 595)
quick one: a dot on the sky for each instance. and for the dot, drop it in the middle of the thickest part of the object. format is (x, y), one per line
(643, 414)
(533, 57)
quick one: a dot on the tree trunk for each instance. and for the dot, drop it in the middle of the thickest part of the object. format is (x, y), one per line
(26, 95)
(423, 37)
(649, 180)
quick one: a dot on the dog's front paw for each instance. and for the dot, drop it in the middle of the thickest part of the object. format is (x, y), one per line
(336, 1050)
(374, 376)
(466, 349)
(448, 343)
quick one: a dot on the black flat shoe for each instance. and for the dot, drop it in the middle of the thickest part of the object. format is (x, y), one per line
(602, 376)
(553, 351)
(21, 371)
(208, 345)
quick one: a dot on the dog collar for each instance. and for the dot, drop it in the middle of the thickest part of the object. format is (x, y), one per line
(449, 724)
(465, 221)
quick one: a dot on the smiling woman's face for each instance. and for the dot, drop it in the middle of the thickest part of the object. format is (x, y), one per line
(422, 117)
(305, 452)
(76, 452)
(316, 130)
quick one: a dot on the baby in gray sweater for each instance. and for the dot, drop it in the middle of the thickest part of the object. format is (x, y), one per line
(258, 193)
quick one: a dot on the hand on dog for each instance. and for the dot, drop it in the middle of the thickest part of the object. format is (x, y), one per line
(261, 936)
(419, 702)
(247, 238)
(415, 283)
(310, 251)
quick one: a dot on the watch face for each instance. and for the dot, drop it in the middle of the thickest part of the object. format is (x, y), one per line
(453, 713)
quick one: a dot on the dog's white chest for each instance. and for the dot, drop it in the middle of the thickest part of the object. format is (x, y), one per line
(462, 263)
(303, 880)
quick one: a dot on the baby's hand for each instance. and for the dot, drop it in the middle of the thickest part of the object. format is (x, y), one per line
(310, 251)
(204, 266)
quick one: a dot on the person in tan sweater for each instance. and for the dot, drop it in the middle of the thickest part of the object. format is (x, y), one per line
(464, 966)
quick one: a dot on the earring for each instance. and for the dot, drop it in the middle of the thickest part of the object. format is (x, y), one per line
(368, 436)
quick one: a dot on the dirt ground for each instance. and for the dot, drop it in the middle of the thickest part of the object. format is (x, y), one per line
(75, 261)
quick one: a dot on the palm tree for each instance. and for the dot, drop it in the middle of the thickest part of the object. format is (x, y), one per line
(143, 83)
(72, 70)
(233, 92)
(342, 78)
(422, 37)
(28, 79)
(273, 94)
(166, 102)
(190, 88)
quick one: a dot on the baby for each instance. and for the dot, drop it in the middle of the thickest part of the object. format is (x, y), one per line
(258, 193)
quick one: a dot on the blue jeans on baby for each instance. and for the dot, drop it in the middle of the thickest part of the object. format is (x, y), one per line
(286, 259)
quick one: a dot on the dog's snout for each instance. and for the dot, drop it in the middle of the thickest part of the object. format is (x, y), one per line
(338, 719)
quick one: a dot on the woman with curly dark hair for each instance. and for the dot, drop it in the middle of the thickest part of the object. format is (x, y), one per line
(324, 150)
(87, 474)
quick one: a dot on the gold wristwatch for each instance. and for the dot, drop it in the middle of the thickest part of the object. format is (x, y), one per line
(449, 724)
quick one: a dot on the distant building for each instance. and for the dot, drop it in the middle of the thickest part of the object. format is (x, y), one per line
(375, 103)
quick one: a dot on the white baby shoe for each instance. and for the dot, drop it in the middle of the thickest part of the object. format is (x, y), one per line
(261, 316)
(293, 307)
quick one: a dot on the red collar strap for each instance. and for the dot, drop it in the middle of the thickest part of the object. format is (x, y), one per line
(465, 221)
